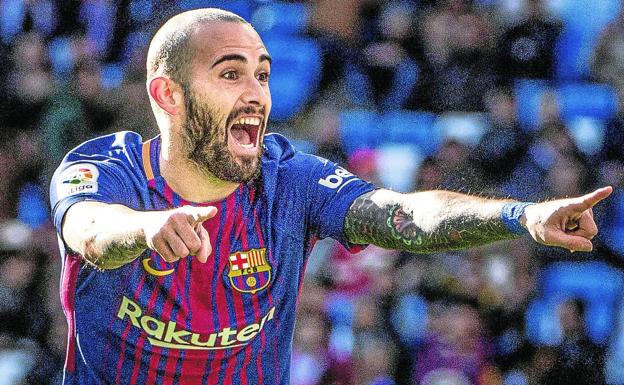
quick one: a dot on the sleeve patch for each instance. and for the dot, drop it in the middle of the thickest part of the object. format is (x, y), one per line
(78, 178)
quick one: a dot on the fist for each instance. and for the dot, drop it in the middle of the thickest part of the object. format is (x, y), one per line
(178, 233)
(567, 223)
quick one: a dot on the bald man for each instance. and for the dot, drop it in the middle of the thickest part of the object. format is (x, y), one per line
(184, 254)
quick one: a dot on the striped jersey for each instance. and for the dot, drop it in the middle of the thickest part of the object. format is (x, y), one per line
(229, 321)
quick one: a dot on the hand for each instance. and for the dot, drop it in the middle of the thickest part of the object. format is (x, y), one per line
(178, 233)
(567, 223)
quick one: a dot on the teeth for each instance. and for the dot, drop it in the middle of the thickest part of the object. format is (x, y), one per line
(248, 121)
(250, 145)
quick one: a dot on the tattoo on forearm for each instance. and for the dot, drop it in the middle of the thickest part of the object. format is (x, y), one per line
(462, 221)
(115, 254)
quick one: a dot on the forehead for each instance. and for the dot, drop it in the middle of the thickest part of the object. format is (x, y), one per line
(214, 40)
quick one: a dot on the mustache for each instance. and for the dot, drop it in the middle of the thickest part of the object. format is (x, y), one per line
(247, 110)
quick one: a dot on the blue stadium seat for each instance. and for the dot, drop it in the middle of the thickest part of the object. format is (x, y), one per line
(409, 319)
(580, 33)
(529, 94)
(295, 73)
(597, 284)
(464, 127)
(412, 127)
(358, 129)
(587, 99)
(242, 8)
(281, 17)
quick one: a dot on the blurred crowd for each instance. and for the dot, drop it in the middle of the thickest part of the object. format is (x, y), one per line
(74, 70)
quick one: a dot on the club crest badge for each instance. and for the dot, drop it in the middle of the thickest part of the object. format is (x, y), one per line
(249, 271)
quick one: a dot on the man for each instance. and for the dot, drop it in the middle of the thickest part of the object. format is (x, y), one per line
(200, 236)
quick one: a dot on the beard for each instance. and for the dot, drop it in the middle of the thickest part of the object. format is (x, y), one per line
(205, 141)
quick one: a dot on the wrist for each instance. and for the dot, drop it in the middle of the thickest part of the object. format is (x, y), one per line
(513, 216)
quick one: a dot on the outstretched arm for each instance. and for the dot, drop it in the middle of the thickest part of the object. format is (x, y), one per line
(433, 221)
(111, 235)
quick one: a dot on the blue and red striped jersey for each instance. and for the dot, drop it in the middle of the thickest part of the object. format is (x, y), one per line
(229, 321)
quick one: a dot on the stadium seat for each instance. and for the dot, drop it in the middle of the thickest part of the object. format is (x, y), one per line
(242, 8)
(397, 165)
(464, 127)
(529, 94)
(588, 133)
(409, 319)
(358, 129)
(412, 127)
(580, 33)
(587, 99)
(597, 284)
(295, 73)
(281, 17)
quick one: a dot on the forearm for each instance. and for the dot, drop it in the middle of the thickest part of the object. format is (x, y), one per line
(425, 222)
(106, 235)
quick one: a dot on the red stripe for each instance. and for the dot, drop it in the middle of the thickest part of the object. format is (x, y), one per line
(201, 299)
(254, 301)
(68, 290)
(239, 309)
(270, 298)
(124, 336)
(168, 193)
(222, 306)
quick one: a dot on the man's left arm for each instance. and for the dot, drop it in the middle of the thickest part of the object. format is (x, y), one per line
(432, 221)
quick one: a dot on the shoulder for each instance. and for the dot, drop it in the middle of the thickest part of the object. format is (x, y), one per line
(123, 145)
(278, 149)
(115, 157)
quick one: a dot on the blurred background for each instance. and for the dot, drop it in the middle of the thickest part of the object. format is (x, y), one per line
(504, 98)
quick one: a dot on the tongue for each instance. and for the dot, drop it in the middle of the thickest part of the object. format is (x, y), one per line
(240, 134)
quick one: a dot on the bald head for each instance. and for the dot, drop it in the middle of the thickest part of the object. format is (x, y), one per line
(171, 51)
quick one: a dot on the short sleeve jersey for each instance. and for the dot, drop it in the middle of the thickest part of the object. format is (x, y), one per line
(229, 321)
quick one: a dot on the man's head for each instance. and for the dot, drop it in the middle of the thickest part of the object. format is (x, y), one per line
(207, 76)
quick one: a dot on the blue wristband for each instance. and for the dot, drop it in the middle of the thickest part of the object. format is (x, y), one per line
(511, 214)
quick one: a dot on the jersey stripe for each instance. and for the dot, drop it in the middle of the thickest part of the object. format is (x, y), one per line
(213, 373)
(126, 333)
(254, 298)
(234, 296)
(71, 267)
(147, 161)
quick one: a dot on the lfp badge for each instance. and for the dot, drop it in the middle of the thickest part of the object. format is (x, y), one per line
(249, 270)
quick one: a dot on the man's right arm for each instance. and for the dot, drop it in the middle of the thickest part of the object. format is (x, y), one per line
(112, 235)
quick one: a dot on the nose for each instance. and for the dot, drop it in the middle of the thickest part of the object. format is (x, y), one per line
(256, 93)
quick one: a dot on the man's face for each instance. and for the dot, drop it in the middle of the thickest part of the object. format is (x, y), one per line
(227, 101)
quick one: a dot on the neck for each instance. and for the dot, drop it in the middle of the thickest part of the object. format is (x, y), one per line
(187, 179)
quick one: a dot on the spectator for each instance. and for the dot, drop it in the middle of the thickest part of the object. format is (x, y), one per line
(577, 360)
(608, 58)
(526, 50)
(455, 352)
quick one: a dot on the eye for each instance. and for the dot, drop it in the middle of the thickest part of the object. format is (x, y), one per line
(230, 75)
(264, 77)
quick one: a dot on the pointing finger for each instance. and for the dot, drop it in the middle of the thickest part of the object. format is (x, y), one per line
(588, 201)
(206, 247)
(201, 214)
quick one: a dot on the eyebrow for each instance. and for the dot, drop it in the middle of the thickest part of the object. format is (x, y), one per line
(240, 58)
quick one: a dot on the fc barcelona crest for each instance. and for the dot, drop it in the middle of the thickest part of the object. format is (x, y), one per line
(249, 270)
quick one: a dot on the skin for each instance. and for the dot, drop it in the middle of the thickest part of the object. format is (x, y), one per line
(109, 236)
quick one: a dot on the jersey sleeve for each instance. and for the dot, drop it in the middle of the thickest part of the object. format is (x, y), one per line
(331, 191)
(96, 178)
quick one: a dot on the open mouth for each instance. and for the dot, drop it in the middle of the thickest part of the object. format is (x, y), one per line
(245, 131)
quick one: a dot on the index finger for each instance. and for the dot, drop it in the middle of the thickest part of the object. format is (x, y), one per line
(588, 201)
(203, 213)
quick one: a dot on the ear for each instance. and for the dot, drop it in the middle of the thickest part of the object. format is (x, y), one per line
(166, 94)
